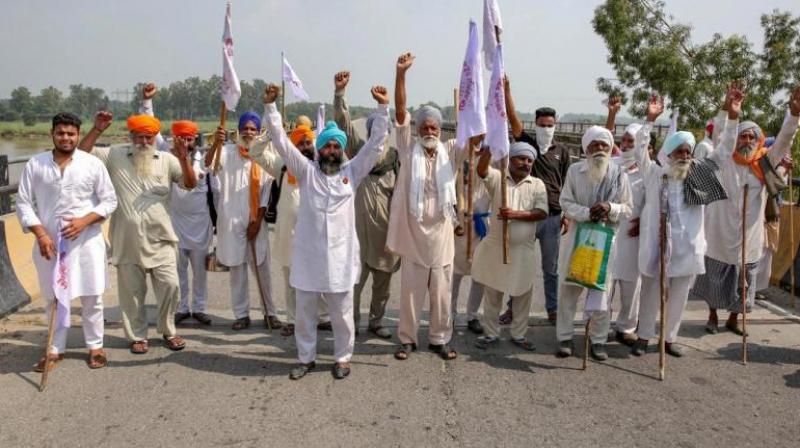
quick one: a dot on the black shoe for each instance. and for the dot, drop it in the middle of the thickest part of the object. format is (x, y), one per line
(673, 350)
(381, 332)
(625, 338)
(735, 328)
(325, 326)
(484, 342)
(565, 349)
(203, 318)
(639, 347)
(551, 317)
(341, 370)
(241, 324)
(272, 322)
(598, 352)
(475, 326)
(301, 370)
(712, 327)
(180, 317)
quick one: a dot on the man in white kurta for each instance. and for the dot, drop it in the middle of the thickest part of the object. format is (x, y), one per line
(303, 138)
(240, 222)
(739, 166)
(63, 196)
(325, 251)
(626, 267)
(421, 222)
(595, 190)
(191, 219)
(527, 204)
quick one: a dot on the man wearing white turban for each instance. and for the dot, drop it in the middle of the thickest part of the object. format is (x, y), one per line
(598, 191)
(745, 161)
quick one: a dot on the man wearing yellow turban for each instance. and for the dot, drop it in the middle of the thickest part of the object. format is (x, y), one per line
(142, 238)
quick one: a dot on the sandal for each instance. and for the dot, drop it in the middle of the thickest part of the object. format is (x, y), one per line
(53, 360)
(175, 343)
(444, 350)
(241, 324)
(140, 347)
(404, 351)
(97, 359)
(524, 344)
(288, 330)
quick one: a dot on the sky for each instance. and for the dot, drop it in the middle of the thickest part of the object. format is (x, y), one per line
(552, 55)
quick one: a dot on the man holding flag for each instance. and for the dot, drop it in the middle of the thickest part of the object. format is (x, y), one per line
(63, 197)
(421, 222)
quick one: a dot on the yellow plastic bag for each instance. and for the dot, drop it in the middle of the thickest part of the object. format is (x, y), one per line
(589, 259)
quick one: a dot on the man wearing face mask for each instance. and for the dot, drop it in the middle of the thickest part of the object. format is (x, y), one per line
(142, 238)
(243, 197)
(325, 248)
(626, 267)
(681, 188)
(595, 190)
(744, 160)
(303, 138)
(551, 165)
(421, 221)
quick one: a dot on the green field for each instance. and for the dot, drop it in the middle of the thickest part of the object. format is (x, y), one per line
(16, 129)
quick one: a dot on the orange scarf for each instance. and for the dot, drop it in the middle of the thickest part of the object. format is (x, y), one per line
(255, 188)
(752, 160)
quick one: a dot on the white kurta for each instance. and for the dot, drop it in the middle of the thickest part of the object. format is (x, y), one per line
(189, 212)
(724, 234)
(686, 222)
(325, 251)
(626, 265)
(233, 208)
(46, 196)
(287, 206)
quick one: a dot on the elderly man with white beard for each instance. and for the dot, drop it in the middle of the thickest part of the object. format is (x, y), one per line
(243, 197)
(680, 187)
(142, 238)
(325, 248)
(744, 161)
(421, 221)
(595, 190)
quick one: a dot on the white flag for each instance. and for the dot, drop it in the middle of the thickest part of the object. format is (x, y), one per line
(321, 118)
(61, 286)
(673, 123)
(290, 77)
(231, 89)
(496, 120)
(471, 109)
(492, 27)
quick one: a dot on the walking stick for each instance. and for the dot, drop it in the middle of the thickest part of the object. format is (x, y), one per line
(50, 329)
(217, 148)
(662, 246)
(743, 277)
(261, 293)
(586, 342)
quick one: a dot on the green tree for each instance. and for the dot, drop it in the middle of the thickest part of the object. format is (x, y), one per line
(649, 51)
(21, 100)
(49, 101)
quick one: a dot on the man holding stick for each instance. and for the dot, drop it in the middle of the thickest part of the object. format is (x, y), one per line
(242, 237)
(746, 161)
(325, 252)
(63, 196)
(421, 221)
(595, 190)
(142, 238)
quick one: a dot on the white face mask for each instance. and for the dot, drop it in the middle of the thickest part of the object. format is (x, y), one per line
(544, 137)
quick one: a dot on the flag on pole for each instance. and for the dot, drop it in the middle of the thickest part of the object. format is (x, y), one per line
(673, 123)
(321, 118)
(471, 109)
(291, 78)
(496, 120)
(491, 22)
(231, 89)
(61, 289)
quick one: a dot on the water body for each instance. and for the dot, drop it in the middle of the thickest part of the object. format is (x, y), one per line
(24, 146)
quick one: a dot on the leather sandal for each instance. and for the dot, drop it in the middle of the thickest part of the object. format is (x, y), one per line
(175, 343)
(52, 361)
(140, 347)
(97, 359)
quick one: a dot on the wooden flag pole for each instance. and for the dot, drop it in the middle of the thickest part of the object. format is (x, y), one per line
(662, 246)
(503, 183)
(261, 293)
(586, 342)
(743, 276)
(217, 147)
(50, 330)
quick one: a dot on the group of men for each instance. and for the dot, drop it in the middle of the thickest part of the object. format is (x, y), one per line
(351, 207)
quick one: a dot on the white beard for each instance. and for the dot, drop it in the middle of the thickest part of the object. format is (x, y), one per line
(428, 142)
(598, 167)
(746, 150)
(241, 142)
(679, 170)
(143, 160)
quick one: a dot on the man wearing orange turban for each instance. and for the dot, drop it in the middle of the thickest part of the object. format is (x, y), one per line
(191, 218)
(142, 237)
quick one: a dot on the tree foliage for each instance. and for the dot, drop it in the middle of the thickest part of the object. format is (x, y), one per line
(650, 51)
